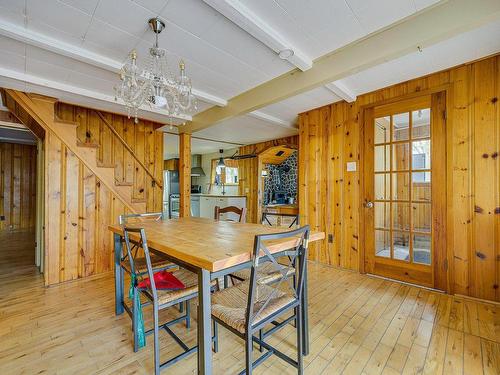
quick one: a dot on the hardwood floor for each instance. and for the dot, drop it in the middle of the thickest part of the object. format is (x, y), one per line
(358, 325)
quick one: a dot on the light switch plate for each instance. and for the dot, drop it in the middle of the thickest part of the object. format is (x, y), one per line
(351, 166)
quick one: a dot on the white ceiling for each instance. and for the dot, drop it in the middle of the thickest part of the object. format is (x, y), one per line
(71, 49)
(198, 146)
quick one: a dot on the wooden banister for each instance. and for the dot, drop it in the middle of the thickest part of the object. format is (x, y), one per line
(127, 147)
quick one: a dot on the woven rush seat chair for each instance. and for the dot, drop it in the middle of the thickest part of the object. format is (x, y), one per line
(241, 212)
(160, 299)
(158, 262)
(246, 308)
(267, 274)
(229, 305)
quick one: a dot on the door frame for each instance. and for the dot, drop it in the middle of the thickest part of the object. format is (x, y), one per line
(447, 266)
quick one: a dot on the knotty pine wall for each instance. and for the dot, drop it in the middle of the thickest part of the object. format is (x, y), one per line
(17, 186)
(248, 170)
(330, 196)
(79, 207)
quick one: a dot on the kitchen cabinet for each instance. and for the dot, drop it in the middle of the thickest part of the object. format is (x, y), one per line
(208, 203)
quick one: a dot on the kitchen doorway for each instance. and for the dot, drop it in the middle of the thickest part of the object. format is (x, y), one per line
(404, 179)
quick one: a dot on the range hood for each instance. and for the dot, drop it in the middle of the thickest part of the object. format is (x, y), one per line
(196, 169)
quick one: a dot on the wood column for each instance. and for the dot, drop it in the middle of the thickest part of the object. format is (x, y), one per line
(185, 174)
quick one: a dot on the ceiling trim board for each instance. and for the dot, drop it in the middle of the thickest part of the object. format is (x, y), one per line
(34, 80)
(272, 119)
(247, 20)
(423, 29)
(81, 54)
(342, 91)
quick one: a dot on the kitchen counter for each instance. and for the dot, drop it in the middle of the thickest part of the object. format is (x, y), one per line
(284, 205)
(289, 209)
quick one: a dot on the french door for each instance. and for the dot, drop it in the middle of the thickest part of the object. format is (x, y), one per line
(405, 190)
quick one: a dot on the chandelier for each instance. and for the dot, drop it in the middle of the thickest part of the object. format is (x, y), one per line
(155, 85)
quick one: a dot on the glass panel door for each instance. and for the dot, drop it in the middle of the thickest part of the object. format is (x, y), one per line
(402, 151)
(400, 189)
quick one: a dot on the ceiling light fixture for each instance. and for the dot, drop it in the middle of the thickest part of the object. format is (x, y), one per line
(156, 85)
(221, 163)
(286, 53)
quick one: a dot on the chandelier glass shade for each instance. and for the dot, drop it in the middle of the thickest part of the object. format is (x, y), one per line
(155, 86)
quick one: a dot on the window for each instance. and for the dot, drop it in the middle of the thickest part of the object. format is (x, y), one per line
(231, 175)
(227, 175)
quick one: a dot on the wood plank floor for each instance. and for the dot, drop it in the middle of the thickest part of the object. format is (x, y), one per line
(358, 325)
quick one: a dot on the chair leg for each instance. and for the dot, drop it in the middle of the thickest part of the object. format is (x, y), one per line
(156, 339)
(135, 313)
(188, 314)
(300, 340)
(226, 281)
(249, 353)
(181, 307)
(216, 336)
(261, 337)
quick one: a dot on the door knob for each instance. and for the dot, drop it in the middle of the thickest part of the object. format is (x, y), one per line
(369, 204)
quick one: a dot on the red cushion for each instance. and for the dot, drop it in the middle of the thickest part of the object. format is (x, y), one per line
(163, 280)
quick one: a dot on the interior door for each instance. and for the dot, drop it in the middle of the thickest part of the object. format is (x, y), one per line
(405, 190)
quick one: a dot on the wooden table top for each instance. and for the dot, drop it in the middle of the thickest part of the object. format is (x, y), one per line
(205, 243)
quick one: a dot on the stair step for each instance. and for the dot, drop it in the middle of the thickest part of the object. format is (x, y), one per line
(87, 144)
(123, 183)
(105, 165)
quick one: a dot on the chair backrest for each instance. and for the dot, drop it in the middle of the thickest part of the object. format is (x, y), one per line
(132, 246)
(266, 215)
(241, 212)
(134, 218)
(262, 256)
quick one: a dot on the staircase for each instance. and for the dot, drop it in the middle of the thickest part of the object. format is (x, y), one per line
(38, 114)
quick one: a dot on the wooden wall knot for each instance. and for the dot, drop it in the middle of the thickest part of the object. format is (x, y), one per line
(74, 224)
(497, 210)
(494, 100)
(478, 210)
(480, 255)
(485, 156)
(494, 155)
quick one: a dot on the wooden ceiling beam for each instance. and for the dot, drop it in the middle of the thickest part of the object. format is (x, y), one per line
(420, 30)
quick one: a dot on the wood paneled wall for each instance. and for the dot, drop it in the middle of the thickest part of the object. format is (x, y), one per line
(17, 186)
(146, 143)
(79, 207)
(248, 170)
(329, 196)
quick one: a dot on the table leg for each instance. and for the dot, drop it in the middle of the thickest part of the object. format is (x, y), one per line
(118, 275)
(305, 316)
(204, 326)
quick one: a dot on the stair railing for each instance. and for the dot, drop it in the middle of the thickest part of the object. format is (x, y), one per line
(128, 148)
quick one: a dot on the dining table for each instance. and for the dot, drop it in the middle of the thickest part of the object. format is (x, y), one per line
(212, 249)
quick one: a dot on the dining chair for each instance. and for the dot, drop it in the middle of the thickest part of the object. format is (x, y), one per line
(158, 262)
(249, 306)
(160, 299)
(241, 212)
(266, 215)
